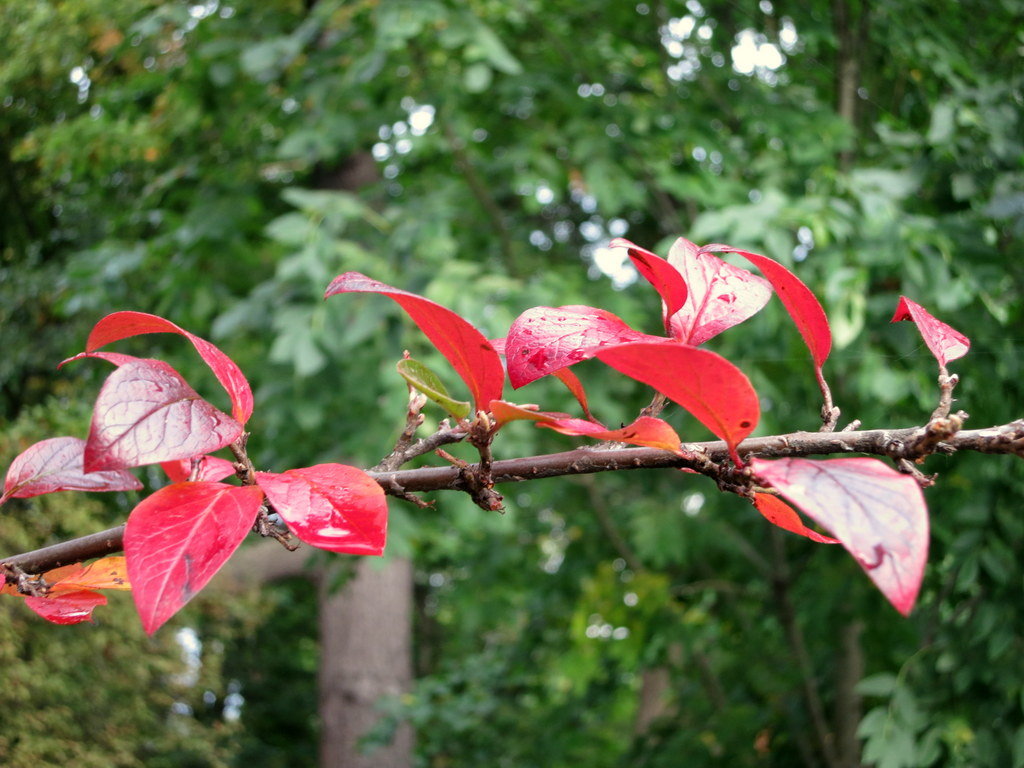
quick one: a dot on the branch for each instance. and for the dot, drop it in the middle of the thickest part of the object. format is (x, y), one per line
(705, 458)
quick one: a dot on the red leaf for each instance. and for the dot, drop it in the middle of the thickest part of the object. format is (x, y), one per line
(878, 514)
(121, 325)
(802, 305)
(545, 339)
(575, 386)
(946, 343)
(330, 506)
(707, 385)
(56, 465)
(146, 413)
(178, 538)
(720, 297)
(472, 356)
(667, 281)
(779, 513)
(211, 468)
(646, 431)
(67, 607)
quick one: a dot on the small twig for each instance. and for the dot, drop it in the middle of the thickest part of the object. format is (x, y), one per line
(267, 529)
(946, 385)
(656, 406)
(244, 468)
(829, 412)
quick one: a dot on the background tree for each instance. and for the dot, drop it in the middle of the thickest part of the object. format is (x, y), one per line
(218, 164)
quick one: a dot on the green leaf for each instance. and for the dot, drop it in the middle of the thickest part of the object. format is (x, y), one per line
(426, 381)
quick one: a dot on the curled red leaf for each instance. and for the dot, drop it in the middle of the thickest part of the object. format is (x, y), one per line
(878, 515)
(801, 304)
(779, 513)
(330, 506)
(714, 390)
(666, 279)
(462, 345)
(544, 339)
(945, 342)
(146, 413)
(121, 325)
(178, 538)
(57, 465)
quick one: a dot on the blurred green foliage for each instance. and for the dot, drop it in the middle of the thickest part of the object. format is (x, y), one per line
(218, 164)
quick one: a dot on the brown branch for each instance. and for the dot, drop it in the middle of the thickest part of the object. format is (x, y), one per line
(705, 458)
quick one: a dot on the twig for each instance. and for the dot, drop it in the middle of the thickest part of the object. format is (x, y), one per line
(701, 457)
(946, 385)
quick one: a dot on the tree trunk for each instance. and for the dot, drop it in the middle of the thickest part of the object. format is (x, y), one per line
(365, 653)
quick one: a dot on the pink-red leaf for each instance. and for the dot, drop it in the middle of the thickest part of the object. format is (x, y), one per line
(472, 356)
(878, 514)
(779, 513)
(707, 385)
(115, 358)
(211, 468)
(67, 607)
(178, 538)
(121, 325)
(945, 342)
(667, 281)
(56, 465)
(720, 297)
(545, 339)
(802, 305)
(146, 413)
(330, 506)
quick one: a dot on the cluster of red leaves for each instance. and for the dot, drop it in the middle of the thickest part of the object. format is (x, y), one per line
(178, 537)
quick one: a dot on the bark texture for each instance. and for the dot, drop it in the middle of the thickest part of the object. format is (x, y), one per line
(366, 653)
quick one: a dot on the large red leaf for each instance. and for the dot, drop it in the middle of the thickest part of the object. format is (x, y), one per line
(945, 342)
(121, 325)
(707, 385)
(802, 305)
(56, 465)
(720, 297)
(545, 339)
(67, 607)
(211, 468)
(330, 506)
(667, 281)
(178, 538)
(146, 413)
(779, 513)
(472, 356)
(878, 514)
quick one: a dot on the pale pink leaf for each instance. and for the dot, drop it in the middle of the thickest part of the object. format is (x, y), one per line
(545, 339)
(121, 325)
(146, 413)
(945, 342)
(720, 296)
(56, 465)
(877, 513)
(330, 506)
